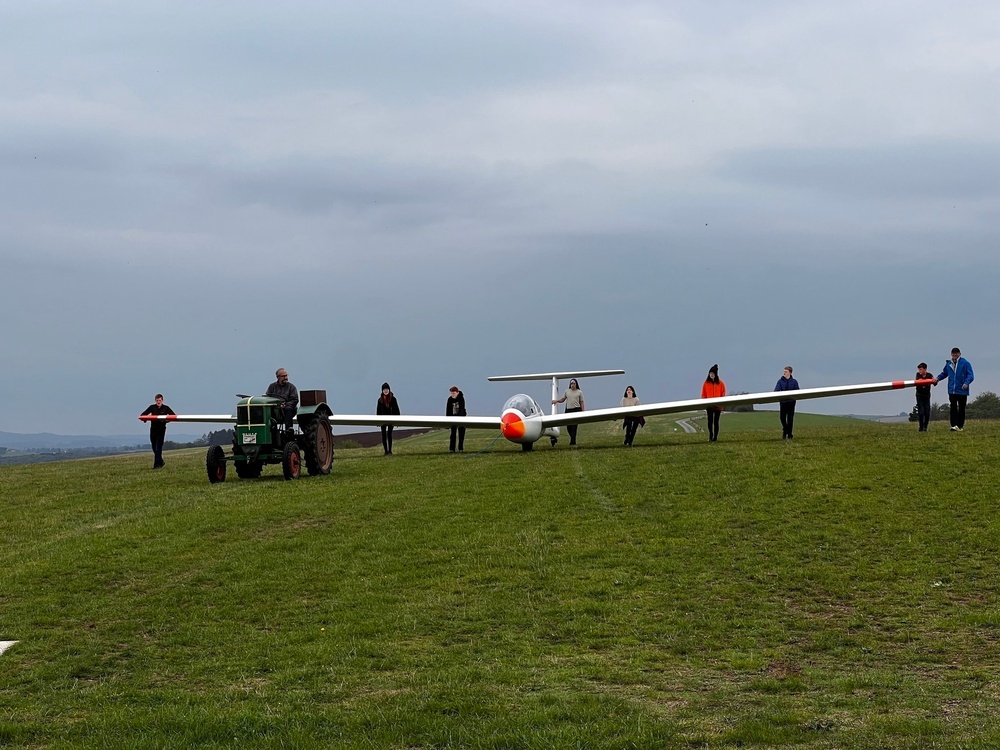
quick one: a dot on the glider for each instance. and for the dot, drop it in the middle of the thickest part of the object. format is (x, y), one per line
(524, 421)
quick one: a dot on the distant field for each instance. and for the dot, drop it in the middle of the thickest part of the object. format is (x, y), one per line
(838, 591)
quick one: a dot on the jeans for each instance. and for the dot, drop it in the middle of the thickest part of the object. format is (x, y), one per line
(458, 432)
(631, 427)
(387, 438)
(923, 412)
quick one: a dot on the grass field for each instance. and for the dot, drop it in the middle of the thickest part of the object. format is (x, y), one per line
(838, 591)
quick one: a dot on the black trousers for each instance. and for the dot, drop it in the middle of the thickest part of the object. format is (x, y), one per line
(957, 409)
(631, 427)
(458, 432)
(786, 409)
(156, 441)
(713, 423)
(923, 412)
(571, 428)
(387, 438)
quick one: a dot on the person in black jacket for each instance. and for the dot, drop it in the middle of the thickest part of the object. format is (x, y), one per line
(456, 408)
(387, 405)
(923, 398)
(157, 428)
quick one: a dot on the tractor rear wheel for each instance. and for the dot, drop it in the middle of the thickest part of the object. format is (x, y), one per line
(215, 464)
(291, 461)
(319, 446)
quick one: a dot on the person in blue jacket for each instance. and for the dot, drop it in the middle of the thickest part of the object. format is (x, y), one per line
(960, 377)
(787, 408)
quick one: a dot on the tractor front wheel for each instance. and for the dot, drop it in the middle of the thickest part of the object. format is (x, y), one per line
(215, 464)
(291, 461)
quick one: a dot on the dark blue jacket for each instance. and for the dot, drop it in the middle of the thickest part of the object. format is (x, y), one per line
(787, 384)
(958, 375)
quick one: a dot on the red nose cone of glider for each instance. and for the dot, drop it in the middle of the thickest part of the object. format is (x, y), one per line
(512, 426)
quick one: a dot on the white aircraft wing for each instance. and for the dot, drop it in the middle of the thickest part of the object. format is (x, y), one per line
(699, 404)
(221, 418)
(415, 420)
(370, 420)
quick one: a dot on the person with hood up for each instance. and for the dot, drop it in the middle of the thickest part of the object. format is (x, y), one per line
(387, 405)
(713, 388)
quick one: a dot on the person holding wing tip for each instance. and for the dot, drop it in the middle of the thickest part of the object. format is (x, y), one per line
(157, 428)
(959, 373)
(923, 395)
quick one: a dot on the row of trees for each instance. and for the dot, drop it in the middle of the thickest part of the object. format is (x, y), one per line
(985, 406)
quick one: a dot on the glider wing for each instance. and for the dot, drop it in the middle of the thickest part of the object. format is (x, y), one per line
(699, 404)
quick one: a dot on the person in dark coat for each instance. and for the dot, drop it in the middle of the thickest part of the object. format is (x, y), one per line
(787, 408)
(456, 408)
(157, 428)
(387, 405)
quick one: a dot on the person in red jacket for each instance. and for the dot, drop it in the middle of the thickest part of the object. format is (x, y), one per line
(713, 388)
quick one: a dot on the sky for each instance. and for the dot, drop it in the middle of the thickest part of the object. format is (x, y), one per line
(195, 194)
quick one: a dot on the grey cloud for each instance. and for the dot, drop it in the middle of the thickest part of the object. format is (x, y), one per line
(914, 170)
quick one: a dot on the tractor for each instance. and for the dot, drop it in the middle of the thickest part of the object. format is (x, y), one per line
(260, 438)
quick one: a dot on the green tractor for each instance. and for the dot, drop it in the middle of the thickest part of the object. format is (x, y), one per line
(260, 438)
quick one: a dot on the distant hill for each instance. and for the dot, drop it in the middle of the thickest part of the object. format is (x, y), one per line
(47, 441)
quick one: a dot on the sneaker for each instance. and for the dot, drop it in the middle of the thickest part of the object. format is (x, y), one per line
(954, 429)
(960, 429)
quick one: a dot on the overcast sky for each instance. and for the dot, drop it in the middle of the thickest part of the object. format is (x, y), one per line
(194, 194)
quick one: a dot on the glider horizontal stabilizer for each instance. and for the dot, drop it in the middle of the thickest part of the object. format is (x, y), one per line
(558, 375)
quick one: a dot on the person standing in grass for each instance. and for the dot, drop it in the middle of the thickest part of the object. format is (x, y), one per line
(787, 408)
(387, 405)
(713, 388)
(573, 397)
(157, 428)
(923, 398)
(960, 377)
(456, 408)
(632, 424)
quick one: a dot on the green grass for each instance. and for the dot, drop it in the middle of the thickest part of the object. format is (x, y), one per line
(835, 592)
